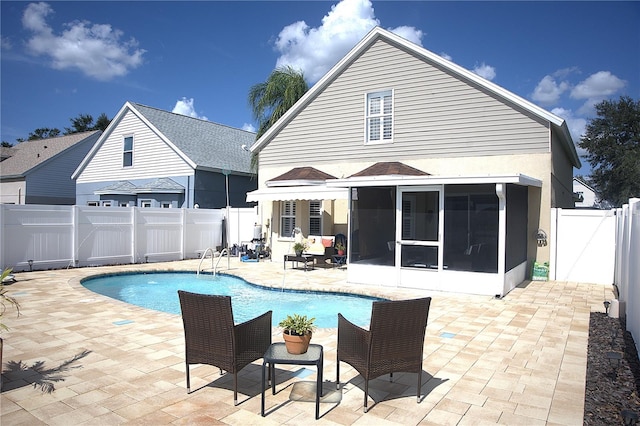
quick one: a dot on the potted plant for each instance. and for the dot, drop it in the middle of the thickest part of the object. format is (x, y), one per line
(299, 247)
(6, 301)
(297, 331)
(340, 248)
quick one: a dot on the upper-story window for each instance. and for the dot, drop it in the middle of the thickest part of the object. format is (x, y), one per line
(379, 117)
(127, 152)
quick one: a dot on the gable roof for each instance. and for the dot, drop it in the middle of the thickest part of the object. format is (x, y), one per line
(377, 33)
(29, 155)
(303, 173)
(203, 144)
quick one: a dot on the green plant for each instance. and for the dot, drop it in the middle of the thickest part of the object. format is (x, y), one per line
(300, 246)
(297, 324)
(6, 301)
(340, 246)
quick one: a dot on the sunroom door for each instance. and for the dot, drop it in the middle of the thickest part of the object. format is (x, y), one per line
(419, 235)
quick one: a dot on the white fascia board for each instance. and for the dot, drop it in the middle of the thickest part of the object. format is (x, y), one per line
(298, 193)
(394, 180)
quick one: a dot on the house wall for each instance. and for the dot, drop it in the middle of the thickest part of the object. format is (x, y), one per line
(437, 115)
(13, 191)
(562, 177)
(152, 157)
(85, 192)
(51, 182)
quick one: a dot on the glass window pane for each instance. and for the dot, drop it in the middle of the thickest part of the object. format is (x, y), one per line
(387, 104)
(387, 133)
(128, 143)
(127, 159)
(425, 257)
(374, 129)
(374, 106)
(420, 218)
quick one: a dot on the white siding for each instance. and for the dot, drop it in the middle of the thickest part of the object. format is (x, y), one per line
(436, 115)
(152, 157)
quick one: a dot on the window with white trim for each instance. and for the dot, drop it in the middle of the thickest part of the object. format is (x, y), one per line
(379, 117)
(165, 204)
(315, 217)
(93, 203)
(127, 152)
(145, 203)
(106, 204)
(287, 218)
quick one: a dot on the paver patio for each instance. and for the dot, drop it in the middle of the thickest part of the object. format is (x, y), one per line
(517, 360)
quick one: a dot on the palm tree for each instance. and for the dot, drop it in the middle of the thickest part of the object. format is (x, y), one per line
(271, 99)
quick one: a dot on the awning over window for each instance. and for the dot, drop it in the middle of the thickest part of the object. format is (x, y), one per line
(284, 193)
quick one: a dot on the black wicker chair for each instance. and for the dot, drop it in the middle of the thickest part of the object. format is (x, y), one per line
(394, 341)
(212, 338)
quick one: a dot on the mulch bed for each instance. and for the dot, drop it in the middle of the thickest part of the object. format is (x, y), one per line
(612, 386)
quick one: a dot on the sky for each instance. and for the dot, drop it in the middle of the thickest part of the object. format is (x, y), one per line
(60, 59)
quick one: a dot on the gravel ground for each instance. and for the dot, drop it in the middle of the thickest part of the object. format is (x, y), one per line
(612, 386)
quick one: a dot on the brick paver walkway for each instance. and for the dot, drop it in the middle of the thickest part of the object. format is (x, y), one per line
(517, 360)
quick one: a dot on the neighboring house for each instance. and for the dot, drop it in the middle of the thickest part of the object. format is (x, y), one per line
(148, 157)
(39, 171)
(439, 178)
(584, 195)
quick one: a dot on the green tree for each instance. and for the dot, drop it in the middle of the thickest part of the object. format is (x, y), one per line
(43, 133)
(102, 122)
(271, 99)
(6, 144)
(82, 123)
(612, 142)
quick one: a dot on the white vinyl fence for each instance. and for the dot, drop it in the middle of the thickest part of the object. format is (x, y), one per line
(627, 271)
(45, 237)
(582, 245)
(601, 247)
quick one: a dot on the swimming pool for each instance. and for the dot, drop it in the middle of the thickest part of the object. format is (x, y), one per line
(159, 291)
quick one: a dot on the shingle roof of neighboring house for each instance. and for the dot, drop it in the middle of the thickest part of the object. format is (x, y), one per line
(390, 168)
(160, 185)
(31, 154)
(557, 123)
(124, 187)
(209, 145)
(6, 152)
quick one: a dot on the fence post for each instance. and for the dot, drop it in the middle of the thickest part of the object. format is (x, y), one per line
(134, 234)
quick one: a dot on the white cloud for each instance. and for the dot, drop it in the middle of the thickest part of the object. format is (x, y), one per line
(94, 49)
(598, 85)
(595, 89)
(249, 127)
(315, 50)
(485, 71)
(184, 106)
(447, 56)
(548, 90)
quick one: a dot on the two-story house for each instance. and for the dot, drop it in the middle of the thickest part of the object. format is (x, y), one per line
(439, 178)
(148, 157)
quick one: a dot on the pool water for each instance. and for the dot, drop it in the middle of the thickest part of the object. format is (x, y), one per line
(159, 291)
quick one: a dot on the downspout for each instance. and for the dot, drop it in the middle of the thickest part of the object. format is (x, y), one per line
(502, 235)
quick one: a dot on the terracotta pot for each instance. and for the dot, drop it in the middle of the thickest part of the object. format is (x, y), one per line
(296, 344)
(340, 252)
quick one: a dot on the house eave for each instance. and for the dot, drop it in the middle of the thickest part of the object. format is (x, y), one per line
(394, 180)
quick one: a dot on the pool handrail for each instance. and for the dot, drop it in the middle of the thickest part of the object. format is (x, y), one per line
(204, 254)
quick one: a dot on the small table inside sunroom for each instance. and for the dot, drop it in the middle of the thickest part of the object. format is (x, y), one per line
(277, 354)
(307, 259)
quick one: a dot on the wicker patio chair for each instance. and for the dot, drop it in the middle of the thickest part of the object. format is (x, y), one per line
(394, 341)
(212, 338)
